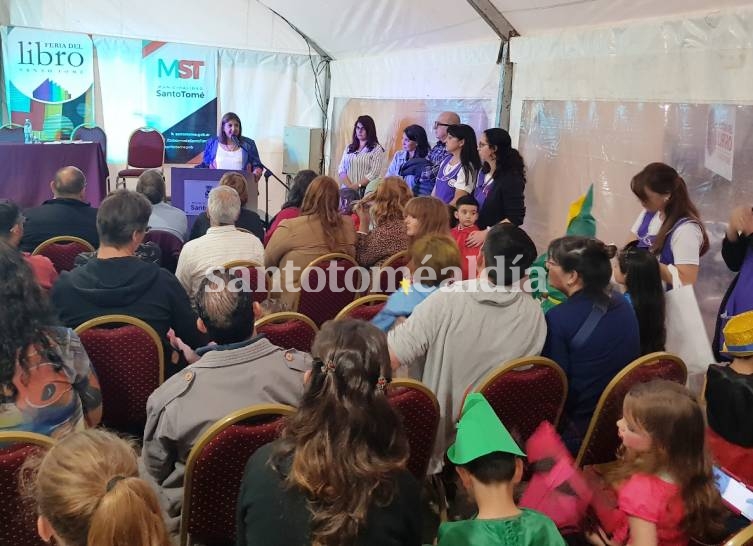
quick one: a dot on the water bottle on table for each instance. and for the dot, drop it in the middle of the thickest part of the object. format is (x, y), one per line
(27, 131)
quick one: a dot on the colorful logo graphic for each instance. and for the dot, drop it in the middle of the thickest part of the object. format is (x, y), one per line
(48, 66)
(51, 92)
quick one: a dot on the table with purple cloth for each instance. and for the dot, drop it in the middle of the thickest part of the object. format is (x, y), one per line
(27, 169)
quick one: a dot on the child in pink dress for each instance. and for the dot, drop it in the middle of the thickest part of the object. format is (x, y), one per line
(664, 483)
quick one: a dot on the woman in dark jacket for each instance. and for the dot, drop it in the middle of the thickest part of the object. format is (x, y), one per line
(737, 252)
(501, 184)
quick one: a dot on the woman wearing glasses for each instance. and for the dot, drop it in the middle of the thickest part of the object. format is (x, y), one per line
(363, 159)
(592, 335)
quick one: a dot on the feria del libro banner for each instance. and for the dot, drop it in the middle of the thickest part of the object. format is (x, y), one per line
(49, 80)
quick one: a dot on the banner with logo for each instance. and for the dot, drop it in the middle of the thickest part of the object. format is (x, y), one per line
(180, 96)
(169, 87)
(49, 80)
(719, 154)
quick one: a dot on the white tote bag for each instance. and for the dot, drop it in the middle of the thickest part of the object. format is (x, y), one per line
(686, 333)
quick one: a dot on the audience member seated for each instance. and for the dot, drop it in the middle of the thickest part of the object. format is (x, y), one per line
(438, 260)
(116, 282)
(337, 475)
(240, 369)
(319, 230)
(383, 210)
(490, 467)
(12, 230)
(87, 491)
(47, 384)
(593, 334)
(456, 336)
(68, 213)
(247, 219)
(638, 271)
(292, 207)
(164, 217)
(665, 490)
(729, 400)
(222, 243)
(466, 213)
(737, 253)
(425, 216)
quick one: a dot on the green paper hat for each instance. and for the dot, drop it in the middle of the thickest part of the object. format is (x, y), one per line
(480, 432)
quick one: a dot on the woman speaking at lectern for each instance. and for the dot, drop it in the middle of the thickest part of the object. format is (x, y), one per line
(230, 150)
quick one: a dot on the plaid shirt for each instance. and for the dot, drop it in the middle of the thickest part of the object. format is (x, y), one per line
(425, 184)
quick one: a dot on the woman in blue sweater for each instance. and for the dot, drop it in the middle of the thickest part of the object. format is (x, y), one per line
(592, 335)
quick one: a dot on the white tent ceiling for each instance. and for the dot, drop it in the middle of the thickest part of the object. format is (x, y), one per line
(347, 29)
(343, 28)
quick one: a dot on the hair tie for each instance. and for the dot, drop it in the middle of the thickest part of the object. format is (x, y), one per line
(328, 367)
(382, 383)
(113, 481)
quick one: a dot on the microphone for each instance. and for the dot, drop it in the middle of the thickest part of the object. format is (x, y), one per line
(236, 141)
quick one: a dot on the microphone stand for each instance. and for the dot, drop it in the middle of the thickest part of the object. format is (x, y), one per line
(267, 174)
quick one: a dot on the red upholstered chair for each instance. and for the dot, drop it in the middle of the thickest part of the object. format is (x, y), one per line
(214, 472)
(419, 410)
(525, 392)
(129, 359)
(323, 305)
(288, 330)
(257, 280)
(364, 308)
(91, 133)
(170, 246)
(146, 150)
(393, 267)
(18, 524)
(601, 441)
(12, 134)
(62, 251)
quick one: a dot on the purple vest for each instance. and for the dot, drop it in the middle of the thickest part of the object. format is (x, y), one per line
(442, 189)
(644, 239)
(482, 190)
(741, 298)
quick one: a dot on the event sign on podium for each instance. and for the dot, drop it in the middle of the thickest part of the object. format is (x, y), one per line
(190, 189)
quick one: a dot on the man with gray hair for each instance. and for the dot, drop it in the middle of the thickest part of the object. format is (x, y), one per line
(242, 369)
(222, 243)
(68, 213)
(164, 217)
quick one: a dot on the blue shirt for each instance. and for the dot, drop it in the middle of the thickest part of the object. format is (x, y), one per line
(614, 343)
(401, 304)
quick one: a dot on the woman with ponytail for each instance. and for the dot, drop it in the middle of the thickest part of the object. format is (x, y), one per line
(337, 476)
(670, 226)
(88, 493)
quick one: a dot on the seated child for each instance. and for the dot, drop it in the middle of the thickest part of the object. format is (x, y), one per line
(466, 213)
(433, 259)
(663, 477)
(729, 400)
(489, 465)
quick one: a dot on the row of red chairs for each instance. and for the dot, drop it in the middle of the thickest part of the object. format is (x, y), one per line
(523, 392)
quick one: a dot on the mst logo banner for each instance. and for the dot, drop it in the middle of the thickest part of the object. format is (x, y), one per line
(181, 96)
(49, 79)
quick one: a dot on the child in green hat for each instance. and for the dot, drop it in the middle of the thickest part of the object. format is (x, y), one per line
(489, 464)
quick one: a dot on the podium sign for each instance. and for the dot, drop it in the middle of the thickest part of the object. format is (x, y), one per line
(190, 188)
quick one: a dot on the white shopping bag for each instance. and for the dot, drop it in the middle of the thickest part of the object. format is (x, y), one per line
(686, 333)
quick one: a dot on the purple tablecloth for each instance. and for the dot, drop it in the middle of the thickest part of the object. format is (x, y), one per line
(26, 170)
